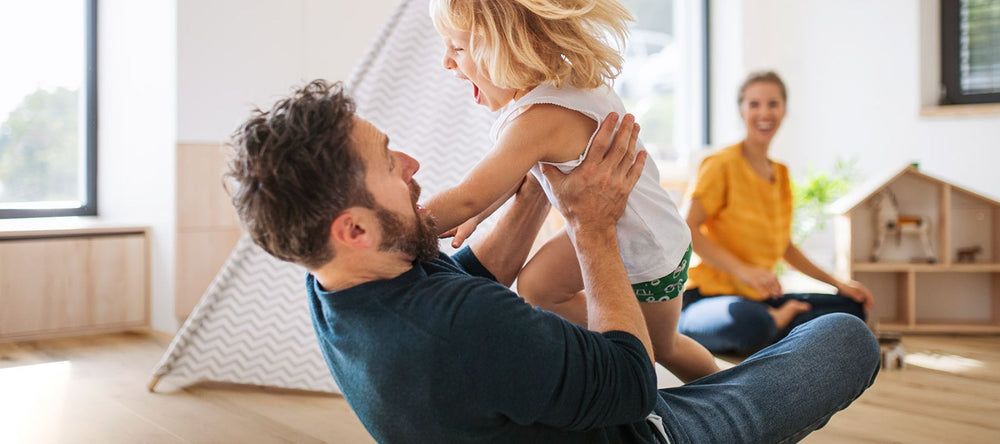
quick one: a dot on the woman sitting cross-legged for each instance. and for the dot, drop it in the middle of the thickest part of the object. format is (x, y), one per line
(740, 215)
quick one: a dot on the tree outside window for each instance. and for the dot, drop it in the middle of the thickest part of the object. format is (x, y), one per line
(47, 108)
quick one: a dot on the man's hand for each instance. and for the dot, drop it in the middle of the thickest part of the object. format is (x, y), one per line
(593, 195)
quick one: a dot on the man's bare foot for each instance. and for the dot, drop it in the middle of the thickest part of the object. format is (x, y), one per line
(787, 311)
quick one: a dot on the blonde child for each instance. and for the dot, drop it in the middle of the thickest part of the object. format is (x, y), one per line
(546, 66)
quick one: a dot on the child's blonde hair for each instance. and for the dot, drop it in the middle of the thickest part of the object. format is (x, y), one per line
(523, 43)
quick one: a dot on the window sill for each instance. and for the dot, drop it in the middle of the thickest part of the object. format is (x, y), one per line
(979, 109)
(45, 227)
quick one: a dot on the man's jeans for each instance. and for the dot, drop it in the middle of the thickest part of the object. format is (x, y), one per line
(781, 393)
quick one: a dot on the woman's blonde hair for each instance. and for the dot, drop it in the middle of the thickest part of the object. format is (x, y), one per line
(523, 43)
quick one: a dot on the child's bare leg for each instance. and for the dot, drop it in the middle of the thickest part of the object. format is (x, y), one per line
(784, 314)
(573, 310)
(552, 280)
(684, 357)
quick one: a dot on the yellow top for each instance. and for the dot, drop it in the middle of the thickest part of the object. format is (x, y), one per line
(746, 214)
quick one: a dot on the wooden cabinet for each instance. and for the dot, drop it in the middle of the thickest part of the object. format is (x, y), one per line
(65, 281)
(947, 293)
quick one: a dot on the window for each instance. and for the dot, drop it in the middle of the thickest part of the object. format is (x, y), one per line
(48, 108)
(663, 81)
(970, 51)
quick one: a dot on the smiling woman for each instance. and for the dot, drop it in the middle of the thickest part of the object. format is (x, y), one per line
(740, 216)
(48, 108)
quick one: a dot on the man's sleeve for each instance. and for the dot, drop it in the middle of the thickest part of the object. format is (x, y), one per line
(468, 261)
(535, 368)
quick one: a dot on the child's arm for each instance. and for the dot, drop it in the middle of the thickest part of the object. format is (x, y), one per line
(542, 133)
(462, 232)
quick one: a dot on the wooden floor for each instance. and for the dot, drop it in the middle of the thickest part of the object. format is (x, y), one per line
(93, 390)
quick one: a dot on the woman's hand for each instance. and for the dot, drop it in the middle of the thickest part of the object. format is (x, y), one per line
(764, 281)
(857, 292)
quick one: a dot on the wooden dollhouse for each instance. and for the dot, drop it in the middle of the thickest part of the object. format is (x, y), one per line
(928, 250)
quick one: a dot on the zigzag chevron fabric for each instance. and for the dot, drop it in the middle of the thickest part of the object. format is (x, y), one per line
(252, 325)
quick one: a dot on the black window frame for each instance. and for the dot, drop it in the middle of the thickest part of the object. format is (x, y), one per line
(89, 127)
(951, 66)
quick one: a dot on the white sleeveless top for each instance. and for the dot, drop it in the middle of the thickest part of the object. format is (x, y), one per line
(652, 236)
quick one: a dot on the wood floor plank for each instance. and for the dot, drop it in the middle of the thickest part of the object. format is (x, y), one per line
(112, 371)
(887, 425)
(92, 389)
(320, 416)
(928, 404)
(44, 403)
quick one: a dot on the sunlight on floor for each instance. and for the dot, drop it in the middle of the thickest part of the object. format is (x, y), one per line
(943, 362)
(31, 396)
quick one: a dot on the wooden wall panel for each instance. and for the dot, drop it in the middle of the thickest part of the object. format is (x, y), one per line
(207, 226)
(202, 203)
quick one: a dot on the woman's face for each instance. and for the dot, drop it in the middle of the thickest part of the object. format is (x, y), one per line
(458, 58)
(762, 110)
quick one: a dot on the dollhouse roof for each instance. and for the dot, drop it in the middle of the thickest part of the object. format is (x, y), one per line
(862, 193)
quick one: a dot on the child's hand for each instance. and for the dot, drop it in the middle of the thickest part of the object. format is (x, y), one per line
(462, 232)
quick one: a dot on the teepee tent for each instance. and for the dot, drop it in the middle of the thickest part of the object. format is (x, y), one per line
(252, 325)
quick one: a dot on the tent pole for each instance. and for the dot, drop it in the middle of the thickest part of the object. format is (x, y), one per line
(152, 383)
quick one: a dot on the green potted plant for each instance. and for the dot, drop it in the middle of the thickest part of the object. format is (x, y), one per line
(814, 192)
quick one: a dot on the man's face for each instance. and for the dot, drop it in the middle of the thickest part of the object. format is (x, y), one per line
(405, 226)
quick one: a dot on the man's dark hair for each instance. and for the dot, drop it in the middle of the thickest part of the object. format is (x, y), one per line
(295, 170)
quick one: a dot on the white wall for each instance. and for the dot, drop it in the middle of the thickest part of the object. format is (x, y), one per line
(727, 69)
(137, 132)
(188, 71)
(234, 54)
(856, 72)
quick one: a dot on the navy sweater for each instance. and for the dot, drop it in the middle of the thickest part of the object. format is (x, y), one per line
(443, 353)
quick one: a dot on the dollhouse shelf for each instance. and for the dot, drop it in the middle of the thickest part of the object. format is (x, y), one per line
(906, 267)
(913, 293)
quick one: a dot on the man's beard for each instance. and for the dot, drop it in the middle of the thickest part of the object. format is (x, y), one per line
(419, 240)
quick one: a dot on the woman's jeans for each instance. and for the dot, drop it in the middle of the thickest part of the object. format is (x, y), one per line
(732, 324)
(779, 394)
